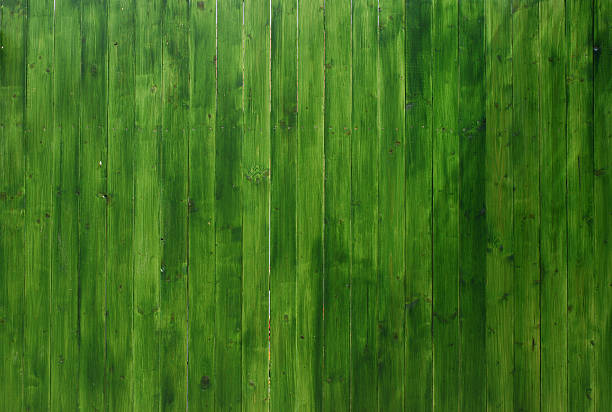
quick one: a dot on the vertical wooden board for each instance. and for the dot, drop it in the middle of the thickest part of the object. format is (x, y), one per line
(526, 202)
(498, 210)
(202, 340)
(310, 208)
(228, 207)
(472, 210)
(419, 106)
(580, 167)
(12, 199)
(92, 206)
(602, 63)
(147, 190)
(40, 144)
(364, 207)
(283, 248)
(120, 224)
(65, 267)
(174, 198)
(391, 192)
(337, 269)
(553, 229)
(445, 204)
(256, 203)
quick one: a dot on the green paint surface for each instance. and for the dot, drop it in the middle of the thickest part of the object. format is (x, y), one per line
(333, 205)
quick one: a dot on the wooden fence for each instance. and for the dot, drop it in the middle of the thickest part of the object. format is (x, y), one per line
(366, 205)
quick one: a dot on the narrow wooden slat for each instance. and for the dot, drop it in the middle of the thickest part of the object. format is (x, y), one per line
(392, 208)
(92, 206)
(526, 202)
(498, 210)
(173, 214)
(255, 206)
(12, 199)
(203, 112)
(283, 247)
(65, 256)
(120, 226)
(602, 219)
(229, 180)
(147, 190)
(472, 210)
(580, 208)
(553, 229)
(337, 292)
(310, 192)
(364, 207)
(41, 144)
(445, 205)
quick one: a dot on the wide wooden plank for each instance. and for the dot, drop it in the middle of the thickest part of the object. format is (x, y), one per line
(498, 210)
(41, 144)
(92, 206)
(283, 247)
(446, 339)
(472, 209)
(602, 215)
(174, 198)
(12, 199)
(120, 198)
(526, 203)
(553, 224)
(391, 192)
(229, 180)
(338, 108)
(580, 208)
(147, 190)
(256, 204)
(201, 390)
(364, 207)
(65, 249)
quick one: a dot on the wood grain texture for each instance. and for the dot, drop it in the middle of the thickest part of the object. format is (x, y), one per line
(283, 217)
(40, 198)
(12, 199)
(255, 205)
(147, 191)
(445, 205)
(337, 291)
(364, 205)
(203, 111)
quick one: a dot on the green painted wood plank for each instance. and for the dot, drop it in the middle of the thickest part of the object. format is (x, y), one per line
(255, 206)
(553, 229)
(364, 207)
(147, 190)
(201, 390)
(120, 224)
(580, 208)
(419, 107)
(309, 310)
(602, 219)
(65, 257)
(283, 249)
(12, 199)
(174, 198)
(337, 269)
(92, 206)
(228, 207)
(526, 203)
(392, 208)
(472, 200)
(41, 144)
(499, 188)
(445, 205)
